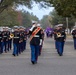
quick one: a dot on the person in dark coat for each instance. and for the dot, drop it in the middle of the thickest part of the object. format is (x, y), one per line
(74, 36)
(1, 42)
(35, 36)
(16, 41)
(5, 39)
(60, 39)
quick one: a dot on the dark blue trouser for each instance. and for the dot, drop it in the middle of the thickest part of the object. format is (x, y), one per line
(60, 47)
(57, 46)
(19, 48)
(15, 49)
(24, 44)
(1, 47)
(74, 43)
(34, 52)
(9, 44)
(5, 46)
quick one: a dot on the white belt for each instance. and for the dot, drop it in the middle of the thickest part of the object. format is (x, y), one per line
(4, 36)
(62, 36)
(16, 37)
(36, 36)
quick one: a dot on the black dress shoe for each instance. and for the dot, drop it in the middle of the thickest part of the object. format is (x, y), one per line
(60, 54)
(33, 62)
(13, 54)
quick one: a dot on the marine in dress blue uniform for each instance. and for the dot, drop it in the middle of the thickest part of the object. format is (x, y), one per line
(21, 44)
(1, 42)
(5, 39)
(41, 40)
(16, 41)
(25, 38)
(34, 42)
(60, 39)
(74, 36)
(8, 39)
(55, 36)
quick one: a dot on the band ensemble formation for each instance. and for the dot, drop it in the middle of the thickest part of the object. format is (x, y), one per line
(36, 34)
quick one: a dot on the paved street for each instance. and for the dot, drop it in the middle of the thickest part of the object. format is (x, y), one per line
(49, 63)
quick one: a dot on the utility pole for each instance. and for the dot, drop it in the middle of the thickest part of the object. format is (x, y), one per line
(75, 23)
(67, 24)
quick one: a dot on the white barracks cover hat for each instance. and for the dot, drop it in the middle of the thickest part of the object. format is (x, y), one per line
(34, 22)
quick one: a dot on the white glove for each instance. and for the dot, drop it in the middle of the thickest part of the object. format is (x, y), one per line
(40, 41)
(32, 28)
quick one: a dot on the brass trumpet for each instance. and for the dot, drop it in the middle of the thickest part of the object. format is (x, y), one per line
(11, 35)
(58, 34)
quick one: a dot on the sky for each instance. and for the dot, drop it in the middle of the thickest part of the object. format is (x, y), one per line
(36, 10)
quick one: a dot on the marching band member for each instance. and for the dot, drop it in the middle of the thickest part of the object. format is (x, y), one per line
(21, 39)
(8, 39)
(61, 37)
(5, 39)
(1, 42)
(55, 36)
(41, 40)
(74, 36)
(25, 38)
(35, 36)
(16, 41)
